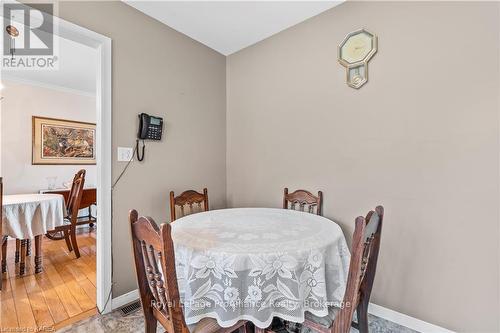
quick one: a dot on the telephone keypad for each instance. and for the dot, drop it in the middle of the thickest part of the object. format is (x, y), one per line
(154, 132)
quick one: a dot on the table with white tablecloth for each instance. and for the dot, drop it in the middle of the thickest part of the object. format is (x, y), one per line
(259, 263)
(28, 216)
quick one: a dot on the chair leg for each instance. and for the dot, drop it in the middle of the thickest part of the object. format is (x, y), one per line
(74, 242)
(38, 254)
(18, 246)
(4, 256)
(150, 322)
(22, 265)
(28, 247)
(362, 312)
(68, 241)
(91, 225)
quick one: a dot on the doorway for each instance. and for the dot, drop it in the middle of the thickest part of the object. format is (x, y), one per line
(100, 45)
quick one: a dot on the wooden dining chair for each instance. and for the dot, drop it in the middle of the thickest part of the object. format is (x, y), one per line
(364, 256)
(155, 268)
(68, 230)
(89, 200)
(189, 198)
(303, 198)
(82, 220)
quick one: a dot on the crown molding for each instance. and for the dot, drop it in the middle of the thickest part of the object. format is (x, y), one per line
(6, 77)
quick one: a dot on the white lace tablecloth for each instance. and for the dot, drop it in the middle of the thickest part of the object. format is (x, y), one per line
(28, 215)
(259, 263)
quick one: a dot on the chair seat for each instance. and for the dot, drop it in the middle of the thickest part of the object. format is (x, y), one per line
(209, 325)
(325, 322)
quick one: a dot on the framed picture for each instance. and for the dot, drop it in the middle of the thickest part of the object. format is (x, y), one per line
(60, 141)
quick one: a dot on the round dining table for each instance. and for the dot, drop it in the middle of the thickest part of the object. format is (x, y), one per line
(258, 263)
(28, 216)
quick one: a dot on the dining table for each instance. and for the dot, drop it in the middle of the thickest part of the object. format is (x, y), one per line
(30, 216)
(259, 263)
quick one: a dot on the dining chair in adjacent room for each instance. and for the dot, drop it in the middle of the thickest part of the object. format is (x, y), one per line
(68, 229)
(155, 268)
(303, 200)
(362, 267)
(189, 202)
(88, 219)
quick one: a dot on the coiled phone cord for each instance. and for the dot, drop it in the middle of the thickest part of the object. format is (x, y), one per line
(140, 156)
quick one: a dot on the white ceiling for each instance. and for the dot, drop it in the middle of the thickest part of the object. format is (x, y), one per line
(229, 26)
(77, 70)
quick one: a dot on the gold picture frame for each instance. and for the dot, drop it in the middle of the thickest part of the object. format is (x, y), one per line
(63, 142)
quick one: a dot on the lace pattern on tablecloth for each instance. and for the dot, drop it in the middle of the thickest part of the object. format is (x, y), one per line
(282, 277)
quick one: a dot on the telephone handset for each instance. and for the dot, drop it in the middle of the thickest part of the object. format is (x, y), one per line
(150, 128)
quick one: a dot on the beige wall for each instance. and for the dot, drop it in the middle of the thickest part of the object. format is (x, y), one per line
(421, 138)
(162, 72)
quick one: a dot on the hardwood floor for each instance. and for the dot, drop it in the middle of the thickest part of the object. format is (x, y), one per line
(62, 294)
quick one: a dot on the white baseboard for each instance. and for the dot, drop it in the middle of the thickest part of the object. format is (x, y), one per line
(124, 299)
(376, 310)
(405, 320)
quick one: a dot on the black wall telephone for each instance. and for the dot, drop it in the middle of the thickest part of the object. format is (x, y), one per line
(150, 128)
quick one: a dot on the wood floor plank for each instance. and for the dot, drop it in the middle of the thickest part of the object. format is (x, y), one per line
(90, 261)
(39, 306)
(84, 276)
(24, 313)
(79, 294)
(7, 306)
(85, 269)
(89, 289)
(64, 292)
(56, 308)
(77, 318)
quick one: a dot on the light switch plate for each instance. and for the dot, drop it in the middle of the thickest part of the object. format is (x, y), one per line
(125, 154)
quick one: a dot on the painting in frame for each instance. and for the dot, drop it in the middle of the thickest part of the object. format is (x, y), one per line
(61, 141)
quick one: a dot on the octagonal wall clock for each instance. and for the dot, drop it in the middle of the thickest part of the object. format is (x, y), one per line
(354, 52)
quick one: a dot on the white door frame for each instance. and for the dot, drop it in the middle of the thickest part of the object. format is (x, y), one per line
(102, 44)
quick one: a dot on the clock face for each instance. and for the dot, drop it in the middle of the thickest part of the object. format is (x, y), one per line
(357, 47)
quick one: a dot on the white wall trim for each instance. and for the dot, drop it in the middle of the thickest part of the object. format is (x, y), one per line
(405, 320)
(374, 309)
(7, 77)
(125, 299)
(102, 44)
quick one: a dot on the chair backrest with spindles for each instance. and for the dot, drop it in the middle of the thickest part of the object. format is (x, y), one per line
(362, 268)
(303, 200)
(76, 187)
(155, 267)
(189, 202)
